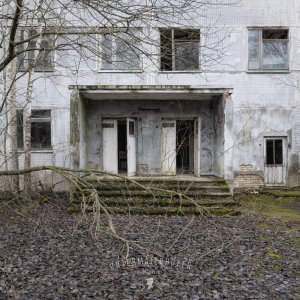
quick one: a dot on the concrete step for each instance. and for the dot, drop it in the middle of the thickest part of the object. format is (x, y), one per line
(159, 202)
(174, 187)
(196, 194)
(205, 211)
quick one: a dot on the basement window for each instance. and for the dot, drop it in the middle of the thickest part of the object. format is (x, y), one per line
(274, 152)
(268, 49)
(179, 49)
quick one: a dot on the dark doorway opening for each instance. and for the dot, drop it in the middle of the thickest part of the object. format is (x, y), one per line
(122, 147)
(185, 147)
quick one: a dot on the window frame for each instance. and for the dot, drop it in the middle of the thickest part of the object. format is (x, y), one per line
(114, 46)
(273, 140)
(37, 120)
(24, 33)
(174, 70)
(261, 44)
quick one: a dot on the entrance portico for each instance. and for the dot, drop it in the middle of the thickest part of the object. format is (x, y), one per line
(148, 130)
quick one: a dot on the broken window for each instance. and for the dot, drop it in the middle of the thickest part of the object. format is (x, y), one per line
(274, 152)
(268, 49)
(179, 49)
(37, 55)
(121, 51)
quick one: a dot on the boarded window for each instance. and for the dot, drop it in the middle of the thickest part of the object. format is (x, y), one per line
(179, 49)
(268, 49)
(274, 152)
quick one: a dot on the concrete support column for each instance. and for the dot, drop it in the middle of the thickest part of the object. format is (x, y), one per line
(77, 130)
(228, 138)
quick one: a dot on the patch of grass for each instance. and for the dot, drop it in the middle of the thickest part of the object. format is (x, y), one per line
(274, 255)
(276, 267)
(286, 208)
(263, 226)
(296, 242)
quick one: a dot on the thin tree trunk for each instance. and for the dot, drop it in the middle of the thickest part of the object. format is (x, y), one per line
(13, 125)
(27, 132)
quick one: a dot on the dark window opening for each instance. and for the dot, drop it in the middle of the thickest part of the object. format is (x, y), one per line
(20, 126)
(122, 146)
(131, 128)
(185, 147)
(179, 49)
(274, 152)
(40, 129)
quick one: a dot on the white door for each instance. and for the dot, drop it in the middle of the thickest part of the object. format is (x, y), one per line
(168, 154)
(110, 145)
(131, 147)
(275, 161)
(197, 146)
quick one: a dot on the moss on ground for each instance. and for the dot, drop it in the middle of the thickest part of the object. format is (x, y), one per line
(285, 208)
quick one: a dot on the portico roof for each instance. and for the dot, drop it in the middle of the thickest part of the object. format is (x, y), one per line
(151, 92)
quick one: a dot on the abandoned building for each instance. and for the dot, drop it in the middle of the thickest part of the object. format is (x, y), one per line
(177, 110)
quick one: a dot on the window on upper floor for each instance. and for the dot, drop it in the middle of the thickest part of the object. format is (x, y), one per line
(40, 129)
(77, 51)
(268, 49)
(179, 49)
(121, 51)
(38, 52)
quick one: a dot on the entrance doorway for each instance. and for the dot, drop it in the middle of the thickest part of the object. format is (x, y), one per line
(181, 143)
(185, 147)
(119, 146)
(275, 161)
(122, 147)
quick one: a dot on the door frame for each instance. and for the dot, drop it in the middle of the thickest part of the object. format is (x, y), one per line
(115, 121)
(284, 159)
(197, 144)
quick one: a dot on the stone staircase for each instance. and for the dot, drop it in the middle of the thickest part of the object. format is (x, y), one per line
(154, 196)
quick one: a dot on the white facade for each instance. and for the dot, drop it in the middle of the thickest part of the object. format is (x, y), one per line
(239, 109)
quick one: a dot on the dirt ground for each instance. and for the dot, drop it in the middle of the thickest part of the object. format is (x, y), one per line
(47, 253)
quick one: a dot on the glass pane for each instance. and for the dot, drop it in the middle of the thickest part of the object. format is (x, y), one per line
(20, 132)
(127, 57)
(40, 135)
(270, 152)
(166, 50)
(275, 34)
(107, 50)
(187, 56)
(254, 52)
(278, 152)
(41, 113)
(44, 58)
(77, 51)
(186, 35)
(275, 55)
